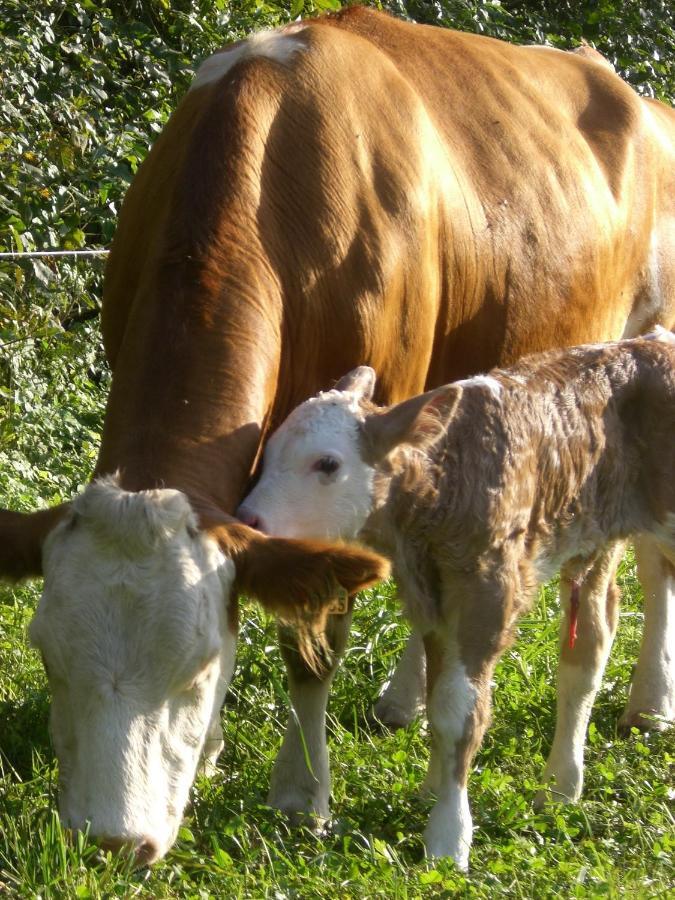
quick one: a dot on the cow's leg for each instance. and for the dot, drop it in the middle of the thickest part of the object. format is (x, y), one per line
(300, 783)
(404, 696)
(460, 662)
(651, 704)
(580, 672)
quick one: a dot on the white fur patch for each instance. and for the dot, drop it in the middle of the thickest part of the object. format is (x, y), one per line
(292, 498)
(483, 381)
(276, 45)
(133, 521)
(661, 334)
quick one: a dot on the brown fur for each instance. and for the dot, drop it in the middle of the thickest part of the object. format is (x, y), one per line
(21, 538)
(223, 310)
(299, 582)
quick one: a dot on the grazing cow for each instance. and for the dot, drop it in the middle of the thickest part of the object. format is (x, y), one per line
(139, 672)
(479, 491)
(344, 191)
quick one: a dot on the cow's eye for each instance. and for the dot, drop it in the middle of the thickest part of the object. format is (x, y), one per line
(327, 465)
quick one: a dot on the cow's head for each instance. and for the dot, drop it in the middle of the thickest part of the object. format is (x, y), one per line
(137, 626)
(326, 463)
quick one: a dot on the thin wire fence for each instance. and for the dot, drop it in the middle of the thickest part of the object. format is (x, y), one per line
(34, 254)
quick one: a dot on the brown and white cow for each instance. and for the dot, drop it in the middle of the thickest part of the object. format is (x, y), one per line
(479, 491)
(348, 190)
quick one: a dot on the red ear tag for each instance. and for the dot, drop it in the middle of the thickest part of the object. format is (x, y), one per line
(574, 613)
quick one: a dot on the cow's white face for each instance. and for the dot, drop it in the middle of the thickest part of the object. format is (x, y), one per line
(314, 482)
(133, 629)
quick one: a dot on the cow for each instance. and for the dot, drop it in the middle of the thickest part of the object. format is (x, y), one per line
(478, 492)
(350, 190)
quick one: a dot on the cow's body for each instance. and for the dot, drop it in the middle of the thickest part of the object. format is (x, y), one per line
(462, 203)
(543, 467)
(356, 190)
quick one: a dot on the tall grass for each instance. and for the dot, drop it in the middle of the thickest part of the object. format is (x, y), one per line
(617, 841)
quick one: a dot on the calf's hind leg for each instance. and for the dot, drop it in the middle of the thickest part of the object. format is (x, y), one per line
(651, 704)
(300, 784)
(580, 671)
(403, 697)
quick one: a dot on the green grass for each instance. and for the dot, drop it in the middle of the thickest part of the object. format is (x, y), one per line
(617, 842)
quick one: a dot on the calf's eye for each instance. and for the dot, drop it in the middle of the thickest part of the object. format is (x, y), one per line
(327, 465)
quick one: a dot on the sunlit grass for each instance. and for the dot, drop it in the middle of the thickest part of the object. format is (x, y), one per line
(617, 841)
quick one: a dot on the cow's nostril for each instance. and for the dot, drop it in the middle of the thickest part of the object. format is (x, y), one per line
(145, 849)
(146, 852)
(248, 517)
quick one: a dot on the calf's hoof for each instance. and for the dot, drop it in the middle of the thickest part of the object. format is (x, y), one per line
(445, 849)
(391, 716)
(643, 721)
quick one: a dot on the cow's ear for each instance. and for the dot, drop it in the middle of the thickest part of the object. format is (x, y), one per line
(300, 582)
(419, 421)
(22, 536)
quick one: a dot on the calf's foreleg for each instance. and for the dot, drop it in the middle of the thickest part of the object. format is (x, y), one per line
(300, 784)
(461, 656)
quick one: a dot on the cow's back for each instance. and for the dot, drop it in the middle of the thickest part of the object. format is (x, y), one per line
(428, 202)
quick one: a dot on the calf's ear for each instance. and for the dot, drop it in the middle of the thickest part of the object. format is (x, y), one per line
(360, 381)
(22, 536)
(300, 582)
(419, 421)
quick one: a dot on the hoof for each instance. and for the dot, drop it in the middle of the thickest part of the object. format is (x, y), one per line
(643, 721)
(389, 717)
(548, 796)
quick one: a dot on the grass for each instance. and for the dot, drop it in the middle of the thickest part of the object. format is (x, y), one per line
(617, 842)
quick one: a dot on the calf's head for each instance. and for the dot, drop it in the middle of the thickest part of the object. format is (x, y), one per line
(322, 466)
(137, 626)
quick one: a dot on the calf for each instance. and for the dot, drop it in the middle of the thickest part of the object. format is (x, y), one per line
(479, 491)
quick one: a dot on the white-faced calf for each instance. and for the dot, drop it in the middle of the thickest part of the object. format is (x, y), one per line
(479, 491)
